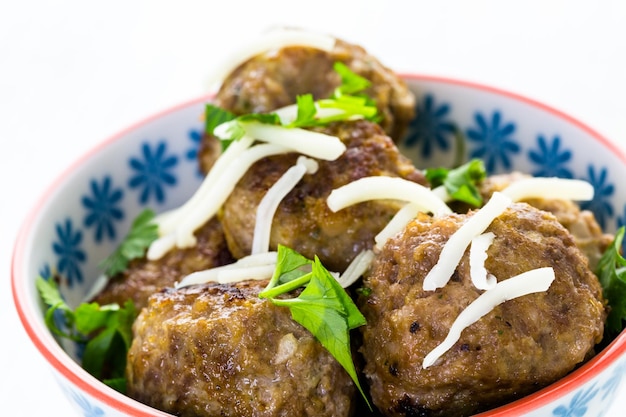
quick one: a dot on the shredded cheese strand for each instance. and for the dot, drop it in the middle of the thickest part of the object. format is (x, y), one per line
(215, 198)
(356, 269)
(168, 221)
(269, 204)
(273, 40)
(533, 281)
(454, 248)
(477, 256)
(396, 224)
(210, 202)
(386, 188)
(442, 193)
(314, 144)
(289, 113)
(552, 188)
(248, 267)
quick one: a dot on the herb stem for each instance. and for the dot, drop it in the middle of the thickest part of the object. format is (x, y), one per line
(286, 287)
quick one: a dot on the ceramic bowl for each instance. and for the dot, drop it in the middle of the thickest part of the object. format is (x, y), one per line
(84, 214)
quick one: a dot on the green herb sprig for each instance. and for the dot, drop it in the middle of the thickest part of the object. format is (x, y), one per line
(347, 97)
(105, 330)
(323, 307)
(460, 183)
(141, 234)
(611, 272)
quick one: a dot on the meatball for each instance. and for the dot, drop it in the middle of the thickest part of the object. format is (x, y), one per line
(220, 350)
(144, 277)
(273, 80)
(303, 220)
(582, 224)
(520, 346)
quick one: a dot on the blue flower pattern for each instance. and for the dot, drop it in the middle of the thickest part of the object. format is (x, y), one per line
(603, 191)
(550, 158)
(578, 405)
(494, 141)
(88, 409)
(103, 208)
(68, 249)
(431, 127)
(192, 154)
(153, 172)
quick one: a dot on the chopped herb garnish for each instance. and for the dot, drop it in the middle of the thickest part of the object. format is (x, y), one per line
(611, 271)
(323, 307)
(460, 183)
(142, 233)
(105, 331)
(347, 99)
(351, 83)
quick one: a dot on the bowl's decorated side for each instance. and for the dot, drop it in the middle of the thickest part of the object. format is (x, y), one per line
(88, 210)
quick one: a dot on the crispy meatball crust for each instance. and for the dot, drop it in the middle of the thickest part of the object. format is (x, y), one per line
(303, 220)
(144, 278)
(219, 350)
(519, 347)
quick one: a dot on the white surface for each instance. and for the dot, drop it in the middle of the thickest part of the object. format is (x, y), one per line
(74, 72)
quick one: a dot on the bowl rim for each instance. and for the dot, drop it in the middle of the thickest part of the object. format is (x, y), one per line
(64, 365)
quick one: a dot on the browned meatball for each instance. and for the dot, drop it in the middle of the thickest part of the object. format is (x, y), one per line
(582, 224)
(270, 81)
(520, 346)
(143, 277)
(303, 220)
(219, 350)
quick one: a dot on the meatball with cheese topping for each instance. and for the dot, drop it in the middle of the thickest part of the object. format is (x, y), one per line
(303, 220)
(219, 350)
(518, 347)
(273, 80)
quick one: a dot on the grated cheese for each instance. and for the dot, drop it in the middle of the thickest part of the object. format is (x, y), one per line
(289, 113)
(477, 256)
(552, 188)
(208, 203)
(454, 248)
(356, 269)
(396, 224)
(277, 192)
(533, 281)
(273, 40)
(307, 142)
(253, 267)
(168, 221)
(386, 188)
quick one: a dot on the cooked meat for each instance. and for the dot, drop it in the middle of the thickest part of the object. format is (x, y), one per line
(273, 80)
(303, 220)
(582, 224)
(522, 345)
(144, 278)
(219, 350)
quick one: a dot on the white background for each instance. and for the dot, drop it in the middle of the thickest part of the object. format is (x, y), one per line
(75, 72)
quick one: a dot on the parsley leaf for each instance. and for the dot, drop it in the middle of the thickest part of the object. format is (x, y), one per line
(105, 330)
(460, 183)
(142, 233)
(215, 116)
(351, 83)
(323, 307)
(611, 271)
(347, 98)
